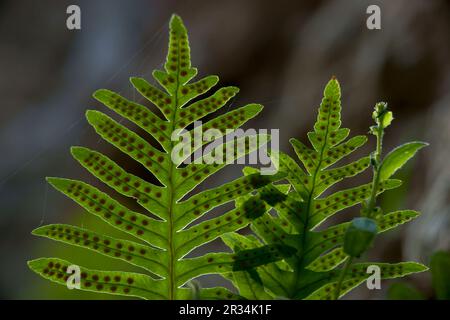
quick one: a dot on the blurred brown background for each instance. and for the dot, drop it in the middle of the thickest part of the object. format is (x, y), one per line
(280, 53)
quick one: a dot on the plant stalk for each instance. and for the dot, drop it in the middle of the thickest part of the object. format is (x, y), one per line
(348, 262)
(376, 171)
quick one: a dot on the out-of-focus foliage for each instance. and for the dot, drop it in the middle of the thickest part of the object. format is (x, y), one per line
(404, 291)
(439, 266)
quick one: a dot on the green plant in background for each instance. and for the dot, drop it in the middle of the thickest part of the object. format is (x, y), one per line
(313, 272)
(439, 266)
(166, 239)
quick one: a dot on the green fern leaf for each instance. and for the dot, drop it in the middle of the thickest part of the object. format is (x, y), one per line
(313, 269)
(164, 241)
(111, 282)
(358, 275)
(143, 256)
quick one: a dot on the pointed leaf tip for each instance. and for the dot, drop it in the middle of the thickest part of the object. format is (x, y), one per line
(176, 23)
(257, 108)
(418, 267)
(89, 113)
(398, 157)
(77, 150)
(51, 179)
(175, 17)
(98, 93)
(57, 182)
(92, 115)
(332, 88)
(136, 81)
(31, 263)
(38, 231)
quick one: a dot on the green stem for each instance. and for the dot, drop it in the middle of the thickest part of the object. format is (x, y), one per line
(172, 201)
(300, 268)
(376, 171)
(348, 262)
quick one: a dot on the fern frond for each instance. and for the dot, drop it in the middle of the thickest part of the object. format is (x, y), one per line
(313, 270)
(172, 235)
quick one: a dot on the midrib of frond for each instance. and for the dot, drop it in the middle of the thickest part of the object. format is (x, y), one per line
(300, 267)
(172, 200)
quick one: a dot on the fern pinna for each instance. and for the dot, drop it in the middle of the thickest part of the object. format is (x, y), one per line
(313, 273)
(166, 240)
